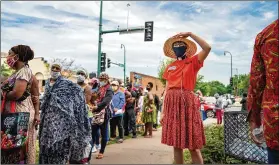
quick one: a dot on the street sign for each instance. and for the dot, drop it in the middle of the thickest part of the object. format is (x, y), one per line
(148, 32)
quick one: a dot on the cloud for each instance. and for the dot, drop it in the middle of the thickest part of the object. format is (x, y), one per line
(70, 30)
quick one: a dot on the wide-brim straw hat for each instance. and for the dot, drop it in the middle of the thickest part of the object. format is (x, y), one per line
(190, 51)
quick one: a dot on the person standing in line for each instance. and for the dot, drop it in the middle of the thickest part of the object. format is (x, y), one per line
(64, 131)
(118, 102)
(157, 104)
(263, 93)
(149, 112)
(139, 123)
(18, 91)
(95, 84)
(103, 102)
(129, 115)
(81, 77)
(180, 118)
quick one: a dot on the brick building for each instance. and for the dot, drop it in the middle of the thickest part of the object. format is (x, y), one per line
(139, 79)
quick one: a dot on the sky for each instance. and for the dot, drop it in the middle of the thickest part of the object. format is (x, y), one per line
(69, 29)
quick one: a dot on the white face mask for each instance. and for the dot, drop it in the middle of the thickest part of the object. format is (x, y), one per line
(80, 78)
(54, 75)
(102, 83)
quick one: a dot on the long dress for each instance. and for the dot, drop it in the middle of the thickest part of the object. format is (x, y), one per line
(148, 117)
(182, 124)
(24, 73)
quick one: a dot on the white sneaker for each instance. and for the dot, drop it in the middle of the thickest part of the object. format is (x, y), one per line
(98, 147)
(94, 149)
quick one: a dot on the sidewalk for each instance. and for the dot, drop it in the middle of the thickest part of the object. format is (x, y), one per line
(137, 151)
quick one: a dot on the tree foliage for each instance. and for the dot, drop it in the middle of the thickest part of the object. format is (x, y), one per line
(6, 71)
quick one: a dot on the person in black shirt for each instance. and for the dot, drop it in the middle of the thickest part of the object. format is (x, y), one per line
(129, 115)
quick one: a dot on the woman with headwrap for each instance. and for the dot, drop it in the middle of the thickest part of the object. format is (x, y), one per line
(64, 132)
(17, 90)
(102, 107)
(181, 120)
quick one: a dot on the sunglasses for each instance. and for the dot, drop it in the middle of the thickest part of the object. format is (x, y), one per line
(55, 68)
(81, 74)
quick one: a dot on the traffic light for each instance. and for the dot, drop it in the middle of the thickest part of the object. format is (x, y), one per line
(148, 31)
(109, 62)
(127, 80)
(231, 81)
(103, 62)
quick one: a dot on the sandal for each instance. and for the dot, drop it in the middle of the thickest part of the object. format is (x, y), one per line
(100, 156)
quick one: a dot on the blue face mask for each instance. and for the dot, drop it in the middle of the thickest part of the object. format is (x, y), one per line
(179, 51)
(95, 89)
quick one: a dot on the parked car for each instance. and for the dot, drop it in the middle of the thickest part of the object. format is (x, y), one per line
(209, 109)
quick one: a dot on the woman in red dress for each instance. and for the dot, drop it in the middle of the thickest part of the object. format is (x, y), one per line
(181, 120)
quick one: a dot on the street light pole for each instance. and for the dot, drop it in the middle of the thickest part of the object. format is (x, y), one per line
(123, 46)
(231, 59)
(128, 16)
(100, 39)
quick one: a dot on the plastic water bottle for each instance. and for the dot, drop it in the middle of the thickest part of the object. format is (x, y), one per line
(258, 133)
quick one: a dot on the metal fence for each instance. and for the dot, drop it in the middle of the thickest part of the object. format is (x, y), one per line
(238, 143)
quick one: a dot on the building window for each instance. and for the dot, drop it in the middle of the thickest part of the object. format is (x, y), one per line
(156, 87)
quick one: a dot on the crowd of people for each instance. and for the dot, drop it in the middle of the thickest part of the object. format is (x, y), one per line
(76, 119)
(75, 116)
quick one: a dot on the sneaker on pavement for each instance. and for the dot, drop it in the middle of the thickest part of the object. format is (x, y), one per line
(134, 136)
(98, 147)
(94, 150)
(120, 141)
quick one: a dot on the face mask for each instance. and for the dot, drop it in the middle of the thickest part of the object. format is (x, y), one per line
(102, 83)
(54, 75)
(80, 78)
(95, 90)
(114, 88)
(11, 61)
(179, 51)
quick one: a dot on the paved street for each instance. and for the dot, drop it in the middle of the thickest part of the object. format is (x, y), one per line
(137, 151)
(141, 150)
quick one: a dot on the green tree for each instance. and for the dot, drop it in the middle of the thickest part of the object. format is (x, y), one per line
(6, 71)
(241, 83)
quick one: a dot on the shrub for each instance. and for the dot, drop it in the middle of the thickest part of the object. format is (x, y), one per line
(213, 152)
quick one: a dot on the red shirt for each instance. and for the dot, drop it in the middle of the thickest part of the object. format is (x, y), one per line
(263, 94)
(183, 73)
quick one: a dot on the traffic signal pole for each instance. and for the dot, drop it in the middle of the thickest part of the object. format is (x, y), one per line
(121, 31)
(100, 39)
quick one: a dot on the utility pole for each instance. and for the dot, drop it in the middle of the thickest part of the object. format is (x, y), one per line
(100, 39)
(124, 65)
(148, 29)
